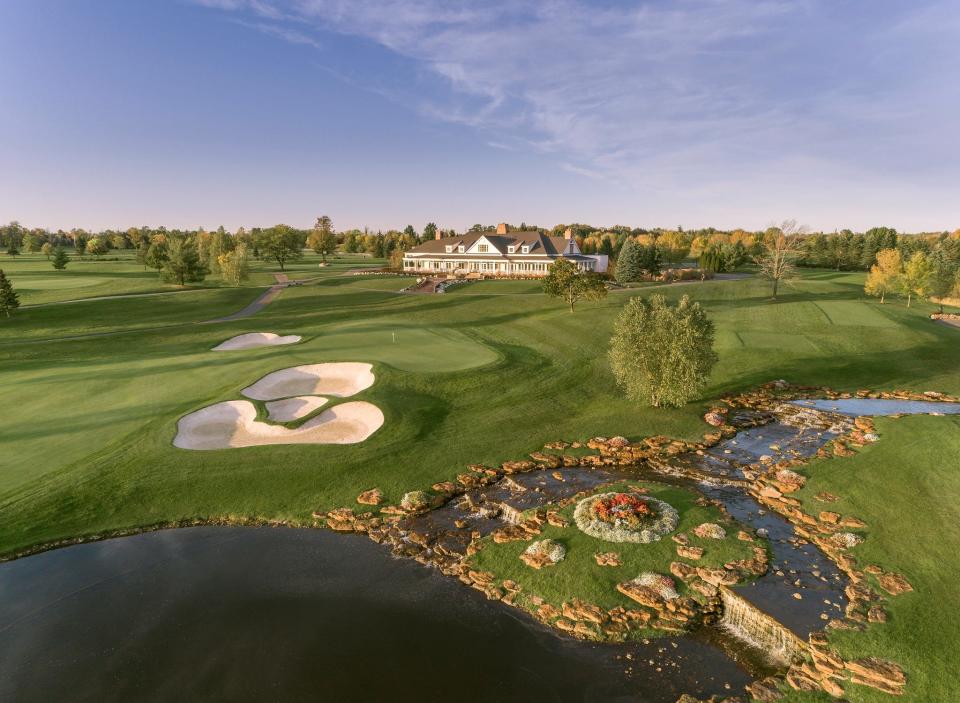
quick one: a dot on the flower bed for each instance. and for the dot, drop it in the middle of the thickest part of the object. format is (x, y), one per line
(625, 517)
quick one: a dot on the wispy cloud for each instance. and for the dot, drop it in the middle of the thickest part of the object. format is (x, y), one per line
(657, 94)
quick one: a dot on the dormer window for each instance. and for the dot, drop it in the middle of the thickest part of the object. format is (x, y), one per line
(525, 249)
(461, 249)
(449, 248)
(511, 249)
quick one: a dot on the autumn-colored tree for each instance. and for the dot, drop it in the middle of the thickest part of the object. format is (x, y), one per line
(915, 279)
(884, 275)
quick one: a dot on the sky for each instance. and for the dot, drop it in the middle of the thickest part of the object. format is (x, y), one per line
(382, 113)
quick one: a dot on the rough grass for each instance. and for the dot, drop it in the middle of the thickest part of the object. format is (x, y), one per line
(578, 575)
(907, 489)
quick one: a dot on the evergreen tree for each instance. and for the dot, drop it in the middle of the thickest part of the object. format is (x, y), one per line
(429, 232)
(9, 300)
(650, 259)
(183, 263)
(942, 278)
(60, 258)
(661, 354)
(629, 264)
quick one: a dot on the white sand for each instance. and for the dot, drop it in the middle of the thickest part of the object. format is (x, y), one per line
(337, 379)
(293, 408)
(256, 339)
(233, 424)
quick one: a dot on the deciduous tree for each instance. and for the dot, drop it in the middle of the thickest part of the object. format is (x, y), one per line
(281, 243)
(777, 262)
(884, 275)
(234, 266)
(662, 354)
(915, 279)
(322, 239)
(566, 281)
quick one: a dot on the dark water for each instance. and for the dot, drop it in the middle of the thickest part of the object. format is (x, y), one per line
(245, 614)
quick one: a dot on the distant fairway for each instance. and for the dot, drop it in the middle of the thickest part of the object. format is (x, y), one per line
(118, 273)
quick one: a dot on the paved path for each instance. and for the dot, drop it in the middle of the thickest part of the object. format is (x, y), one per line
(259, 304)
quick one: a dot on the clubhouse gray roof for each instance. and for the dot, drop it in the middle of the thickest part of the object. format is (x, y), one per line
(540, 245)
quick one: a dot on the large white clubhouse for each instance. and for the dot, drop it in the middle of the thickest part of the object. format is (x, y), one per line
(500, 253)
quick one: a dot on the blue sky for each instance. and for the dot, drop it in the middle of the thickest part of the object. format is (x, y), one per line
(381, 113)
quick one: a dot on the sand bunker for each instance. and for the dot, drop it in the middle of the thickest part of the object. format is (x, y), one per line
(233, 423)
(338, 379)
(293, 408)
(256, 339)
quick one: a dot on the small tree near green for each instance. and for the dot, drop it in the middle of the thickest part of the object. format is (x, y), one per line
(96, 247)
(156, 256)
(46, 249)
(9, 300)
(183, 263)
(565, 280)
(629, 265)
(281, 243)
(60, 258)
(915, 279)
(884, 275)
(322, 239)
(662, 354)
(234, 266)
(13, 249)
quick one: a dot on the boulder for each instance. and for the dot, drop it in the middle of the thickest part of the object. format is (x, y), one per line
(714, 419)
(878, 673)
(709, 530)
(894, 584)
(607, 559)
(689, 552)
(372, 497)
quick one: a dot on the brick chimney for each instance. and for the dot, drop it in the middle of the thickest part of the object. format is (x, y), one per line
(568, 234)
(438, 234)
(502, 228)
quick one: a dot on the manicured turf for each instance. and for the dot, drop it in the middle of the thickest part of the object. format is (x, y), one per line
(85, 441)
(118, 273)
(88, 446)
(579, 576)
(907, 489)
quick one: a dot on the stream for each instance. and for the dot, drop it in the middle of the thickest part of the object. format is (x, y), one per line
(217, 613)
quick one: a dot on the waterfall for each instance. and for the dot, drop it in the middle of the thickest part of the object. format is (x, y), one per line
(747, 623)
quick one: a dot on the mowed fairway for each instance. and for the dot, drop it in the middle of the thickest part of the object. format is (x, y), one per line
(88, 422)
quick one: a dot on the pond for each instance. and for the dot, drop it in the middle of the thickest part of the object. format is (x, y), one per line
(239, 614)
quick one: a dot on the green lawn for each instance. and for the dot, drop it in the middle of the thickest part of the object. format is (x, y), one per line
(579, 576)
(88, 423)
(118, 273)
(907, 489)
